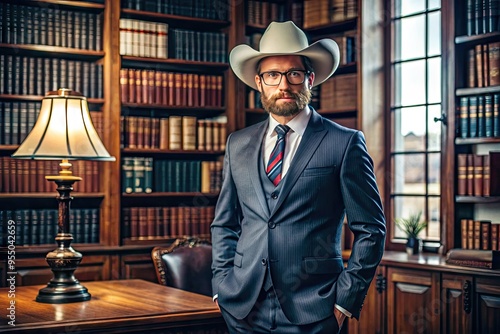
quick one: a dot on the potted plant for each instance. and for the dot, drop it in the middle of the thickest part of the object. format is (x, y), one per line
(412, 226)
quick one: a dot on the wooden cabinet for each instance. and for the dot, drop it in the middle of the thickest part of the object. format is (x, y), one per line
(457, 303)
(411, 301)
(422, 294)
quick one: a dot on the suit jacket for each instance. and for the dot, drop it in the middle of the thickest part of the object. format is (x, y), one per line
(330, 175)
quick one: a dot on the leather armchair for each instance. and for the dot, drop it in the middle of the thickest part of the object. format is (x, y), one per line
(185, 265)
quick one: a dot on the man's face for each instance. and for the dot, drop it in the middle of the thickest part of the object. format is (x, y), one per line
(284, 99)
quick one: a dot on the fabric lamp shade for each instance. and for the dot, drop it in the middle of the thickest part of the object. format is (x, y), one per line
(63, 130)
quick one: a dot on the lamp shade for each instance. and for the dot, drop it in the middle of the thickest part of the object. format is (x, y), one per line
(63, 130)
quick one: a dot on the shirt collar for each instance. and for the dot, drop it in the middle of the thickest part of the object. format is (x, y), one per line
(298, 124)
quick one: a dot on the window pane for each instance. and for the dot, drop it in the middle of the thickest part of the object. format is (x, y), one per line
(434, 161)
(404, 206)
(433, 231)
(410, 38)
(410, 83)
(434, 34)
(409, 129)
(407, 7)
(434, 80)
(435, 4)
(409, 174)
(434, 128)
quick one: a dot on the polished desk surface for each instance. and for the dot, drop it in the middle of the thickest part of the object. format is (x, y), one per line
(116, 306)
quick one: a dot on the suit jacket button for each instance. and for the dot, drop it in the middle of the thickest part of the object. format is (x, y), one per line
(264, 262)
(271, 224)
(274, 196)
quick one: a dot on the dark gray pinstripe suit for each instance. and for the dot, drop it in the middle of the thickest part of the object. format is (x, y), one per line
(331, 175)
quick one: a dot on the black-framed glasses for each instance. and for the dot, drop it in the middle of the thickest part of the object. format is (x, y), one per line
(294, 77)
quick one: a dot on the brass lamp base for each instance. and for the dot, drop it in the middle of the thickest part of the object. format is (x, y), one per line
(63, 287)
(64, 260)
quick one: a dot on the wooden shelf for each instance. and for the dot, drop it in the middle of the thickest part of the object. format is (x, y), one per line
(477, 200)
(331, 28)
(173, 64)
(48, 195)
(155, 241)
(80, 5)
(350, 68)
(176, 21)
(50, 51)
(477, 90)
(157, 151)
(475, 141)
(475, 39)
(38, 98)
(169, 194)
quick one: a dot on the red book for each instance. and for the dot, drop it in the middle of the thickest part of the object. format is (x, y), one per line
(124, 85)
(485, 234)
(171, 89)
(494, 236)
(158, 88)
(164, 88)
(486, 175)
(462, 174)
(478, 175)
(138, 87)
(178, 89)
(131, 86)
(144, 86)
(470, 175)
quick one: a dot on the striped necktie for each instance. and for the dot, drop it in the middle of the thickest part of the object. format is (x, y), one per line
(275, 163)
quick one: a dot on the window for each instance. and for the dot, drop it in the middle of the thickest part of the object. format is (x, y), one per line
(415, 141)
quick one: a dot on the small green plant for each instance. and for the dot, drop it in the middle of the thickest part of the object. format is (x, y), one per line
(412, 226)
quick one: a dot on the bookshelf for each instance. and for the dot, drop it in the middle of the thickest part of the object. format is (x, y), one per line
(472, 128)
(63, 61)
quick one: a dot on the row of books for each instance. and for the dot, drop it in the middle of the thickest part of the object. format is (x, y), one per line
(198, 45)
(323, 12)
(176, 221)
(174, 133)
(16, 120)
(143, 39)
(45, 25)
(147, 175)
(338, 93)
(36, 76)
(26, 176)
(483, 63)
(478, 116)
(480, 234)
(38, 227)
(478, 175)
(347, 47)
(208, 9)
(171, 88)
(482, 16)
(261, 13)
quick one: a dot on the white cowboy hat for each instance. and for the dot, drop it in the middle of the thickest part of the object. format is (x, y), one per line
(285, 38)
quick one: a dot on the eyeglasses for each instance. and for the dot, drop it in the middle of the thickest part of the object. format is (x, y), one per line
(294, 77)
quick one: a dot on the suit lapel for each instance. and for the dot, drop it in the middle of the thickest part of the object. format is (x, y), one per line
(313, 136)
(254, 148)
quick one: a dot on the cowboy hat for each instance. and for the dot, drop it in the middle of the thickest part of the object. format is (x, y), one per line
(285, 38)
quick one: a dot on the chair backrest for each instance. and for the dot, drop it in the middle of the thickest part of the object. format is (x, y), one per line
(185, 265)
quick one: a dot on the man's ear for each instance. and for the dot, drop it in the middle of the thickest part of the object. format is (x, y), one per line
(258, 83)
(310, 80)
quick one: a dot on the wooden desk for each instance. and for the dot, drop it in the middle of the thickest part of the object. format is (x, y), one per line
(123, 306)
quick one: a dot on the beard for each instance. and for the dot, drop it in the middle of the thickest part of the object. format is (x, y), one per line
(302, 99)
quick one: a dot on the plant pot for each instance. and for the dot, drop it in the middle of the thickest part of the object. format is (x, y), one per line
(413, 246)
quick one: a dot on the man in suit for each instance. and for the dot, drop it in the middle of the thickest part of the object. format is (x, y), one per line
(287, 184)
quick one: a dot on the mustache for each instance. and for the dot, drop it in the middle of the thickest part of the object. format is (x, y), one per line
(285, 94)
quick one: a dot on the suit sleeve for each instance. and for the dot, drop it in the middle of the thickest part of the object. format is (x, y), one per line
(225, 227)
(366, 220)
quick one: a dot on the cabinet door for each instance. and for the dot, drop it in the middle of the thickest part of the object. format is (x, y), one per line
(412, 301)
(371, 320)
(488, 305)
(456, 303)
(138, 266)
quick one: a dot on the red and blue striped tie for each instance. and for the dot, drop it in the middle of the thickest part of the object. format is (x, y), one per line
(275, 163)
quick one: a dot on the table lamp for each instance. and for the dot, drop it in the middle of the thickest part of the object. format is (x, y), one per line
(63, 131)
